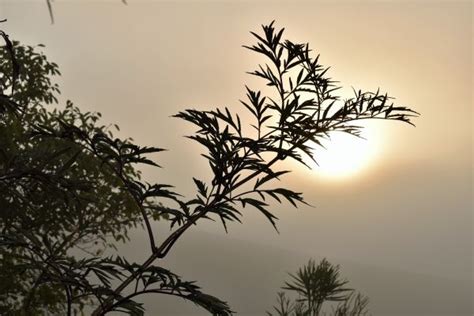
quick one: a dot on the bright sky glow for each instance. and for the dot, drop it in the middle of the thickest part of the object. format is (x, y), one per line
(344, 156)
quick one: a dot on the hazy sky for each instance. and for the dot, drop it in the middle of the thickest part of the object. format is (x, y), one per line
(409, 209)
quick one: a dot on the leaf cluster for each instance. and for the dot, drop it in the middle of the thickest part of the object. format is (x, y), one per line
(302, 111)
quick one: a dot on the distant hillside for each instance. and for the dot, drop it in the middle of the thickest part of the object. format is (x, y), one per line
(248, 275)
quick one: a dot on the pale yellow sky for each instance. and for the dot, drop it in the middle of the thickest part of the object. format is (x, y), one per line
(411, 209)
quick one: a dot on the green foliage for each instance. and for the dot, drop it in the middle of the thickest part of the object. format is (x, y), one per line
(316, 284)
(55, 197)
(68, 183)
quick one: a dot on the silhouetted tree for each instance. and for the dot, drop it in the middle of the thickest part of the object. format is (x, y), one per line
(315, 285)
(53, 192)
(60, 172)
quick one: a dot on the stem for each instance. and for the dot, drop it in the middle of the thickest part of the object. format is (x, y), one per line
(69, 300)
(151, 237)
(149, 230)
(166, 246)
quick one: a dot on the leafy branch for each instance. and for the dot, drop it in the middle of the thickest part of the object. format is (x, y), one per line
(302, 114)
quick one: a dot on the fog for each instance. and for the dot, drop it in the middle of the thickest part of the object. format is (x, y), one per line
(401, 229)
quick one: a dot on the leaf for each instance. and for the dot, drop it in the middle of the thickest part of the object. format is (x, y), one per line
(69, 162)
(201, 187)
(269, 177)
(261, 206)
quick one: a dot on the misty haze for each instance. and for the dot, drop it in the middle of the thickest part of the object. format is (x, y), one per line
(189, 88)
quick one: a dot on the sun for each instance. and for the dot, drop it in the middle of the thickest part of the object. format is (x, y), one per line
(343, 155)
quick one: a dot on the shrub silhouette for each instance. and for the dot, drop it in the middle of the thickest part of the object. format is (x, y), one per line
(314, 285)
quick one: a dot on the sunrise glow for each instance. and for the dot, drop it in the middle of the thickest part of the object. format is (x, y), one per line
(344, 156)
